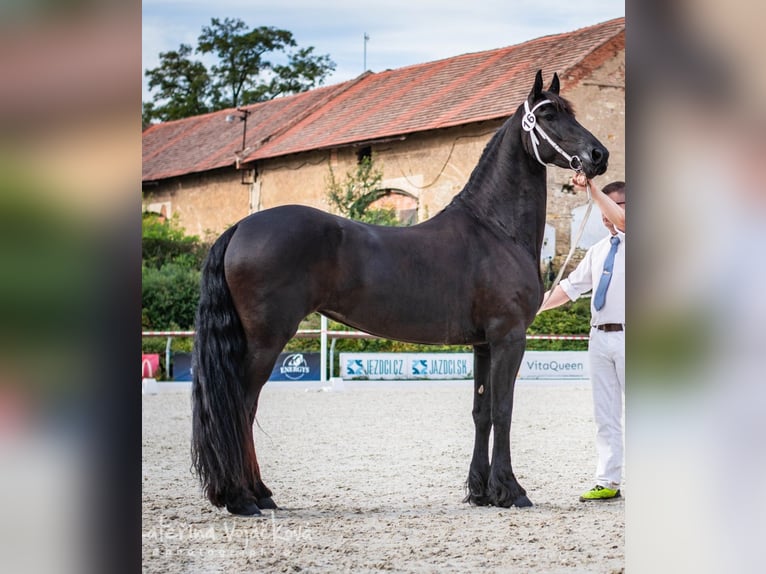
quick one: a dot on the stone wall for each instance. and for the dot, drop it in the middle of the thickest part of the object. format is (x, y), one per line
(430, 167)
(205, 204)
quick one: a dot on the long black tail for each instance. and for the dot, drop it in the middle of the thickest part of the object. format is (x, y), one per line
(220, 423)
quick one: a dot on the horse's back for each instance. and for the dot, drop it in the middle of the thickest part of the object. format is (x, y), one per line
(287, 221)
(283, 236)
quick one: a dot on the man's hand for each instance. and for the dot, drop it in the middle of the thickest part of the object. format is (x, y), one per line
(580, 180)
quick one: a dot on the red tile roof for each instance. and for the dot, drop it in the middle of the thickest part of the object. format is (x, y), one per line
(450, 92)
(206, 142)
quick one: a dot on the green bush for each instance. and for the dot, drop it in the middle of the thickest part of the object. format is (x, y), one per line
(169, 296)
(164, 241)
(170, 274)
(570, 319)
(170, 278)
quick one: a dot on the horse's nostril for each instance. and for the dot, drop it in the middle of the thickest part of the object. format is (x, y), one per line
(596, 155)
(599, 155)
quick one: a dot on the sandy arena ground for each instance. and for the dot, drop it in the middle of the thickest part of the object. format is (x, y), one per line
(370, 478)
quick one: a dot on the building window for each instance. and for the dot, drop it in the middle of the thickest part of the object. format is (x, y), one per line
(365, 152)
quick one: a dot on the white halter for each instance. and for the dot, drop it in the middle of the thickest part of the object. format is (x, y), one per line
(530, 125)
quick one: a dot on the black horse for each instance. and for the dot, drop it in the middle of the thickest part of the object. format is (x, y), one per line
(469, 275)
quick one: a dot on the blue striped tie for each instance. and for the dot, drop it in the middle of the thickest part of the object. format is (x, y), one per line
(600, 298)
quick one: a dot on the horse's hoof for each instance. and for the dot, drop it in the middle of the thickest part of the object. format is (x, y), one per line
(246, 509)
(267, 504)
(522, 501)
(476, 500)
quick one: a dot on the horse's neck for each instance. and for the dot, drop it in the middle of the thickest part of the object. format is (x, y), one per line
(507, 191)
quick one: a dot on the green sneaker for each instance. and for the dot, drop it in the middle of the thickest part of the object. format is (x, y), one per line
(599, 493)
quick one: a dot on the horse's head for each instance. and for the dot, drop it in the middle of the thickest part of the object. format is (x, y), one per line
(553, 135)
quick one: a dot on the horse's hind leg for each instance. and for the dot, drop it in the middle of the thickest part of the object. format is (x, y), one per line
(478, 474)
(260, 363)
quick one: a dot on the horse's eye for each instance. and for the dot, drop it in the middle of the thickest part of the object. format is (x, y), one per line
(549, 116)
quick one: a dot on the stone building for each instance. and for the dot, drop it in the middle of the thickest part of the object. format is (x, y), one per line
(425, 125)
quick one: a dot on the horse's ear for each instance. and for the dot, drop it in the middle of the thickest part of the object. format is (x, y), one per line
(538, 87)
(555, 84)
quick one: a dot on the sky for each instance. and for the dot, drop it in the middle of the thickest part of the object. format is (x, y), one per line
(401, 32)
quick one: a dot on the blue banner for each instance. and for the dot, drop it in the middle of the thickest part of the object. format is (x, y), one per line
(182, 367)
(297, 367)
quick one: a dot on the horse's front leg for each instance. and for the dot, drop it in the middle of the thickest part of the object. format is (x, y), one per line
(503, 488)
(478, 474)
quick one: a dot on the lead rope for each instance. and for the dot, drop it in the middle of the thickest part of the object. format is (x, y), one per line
(530, 125)
(573, 246)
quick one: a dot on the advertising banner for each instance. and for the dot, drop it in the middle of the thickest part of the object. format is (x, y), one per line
(182, 367)
(554, 365)
(406, 366)
(297, 367)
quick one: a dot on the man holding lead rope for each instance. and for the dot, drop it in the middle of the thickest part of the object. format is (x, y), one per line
(603, 271)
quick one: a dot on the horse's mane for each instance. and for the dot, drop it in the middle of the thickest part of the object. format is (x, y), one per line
(492, 163)
(493, 167)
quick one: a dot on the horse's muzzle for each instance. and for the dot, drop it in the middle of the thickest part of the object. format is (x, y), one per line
(597, 162)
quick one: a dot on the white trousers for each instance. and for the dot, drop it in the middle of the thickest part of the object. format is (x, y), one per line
(606, 351)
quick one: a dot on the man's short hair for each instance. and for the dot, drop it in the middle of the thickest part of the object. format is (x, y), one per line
(614, 187)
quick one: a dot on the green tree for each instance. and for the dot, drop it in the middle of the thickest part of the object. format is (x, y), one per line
(304, 71)
(252, 65)
(353, 195)
(184, 85)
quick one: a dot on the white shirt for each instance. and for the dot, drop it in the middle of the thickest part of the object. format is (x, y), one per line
(587, 274)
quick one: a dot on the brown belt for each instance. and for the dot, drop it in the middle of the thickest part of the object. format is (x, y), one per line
(610, 327)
